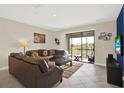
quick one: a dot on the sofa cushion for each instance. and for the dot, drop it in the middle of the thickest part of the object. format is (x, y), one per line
(15, 54)
(30, 59)
(59, 52)
(51, 52)
(39, 61)
(19, 57)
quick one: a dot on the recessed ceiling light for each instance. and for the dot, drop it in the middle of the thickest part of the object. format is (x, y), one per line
(54, 15)
(36, 5)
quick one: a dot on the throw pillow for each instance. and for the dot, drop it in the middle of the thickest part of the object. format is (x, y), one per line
(45, 53)
(34, 54)
(18, 55)
(46, 64)
(43, 66)
(51, 64)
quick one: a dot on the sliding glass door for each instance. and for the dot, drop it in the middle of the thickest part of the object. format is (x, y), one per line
(84, 48)
(89, 48)
(90, 45)
(81, 45)
(75, 45)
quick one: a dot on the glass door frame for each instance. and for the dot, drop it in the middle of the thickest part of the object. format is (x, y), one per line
(70, 45)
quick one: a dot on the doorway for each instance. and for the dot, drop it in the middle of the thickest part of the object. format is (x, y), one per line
(81, 46)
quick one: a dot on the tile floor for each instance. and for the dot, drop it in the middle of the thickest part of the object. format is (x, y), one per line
(88, 76)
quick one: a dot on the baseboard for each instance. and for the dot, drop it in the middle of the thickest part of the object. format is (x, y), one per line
(3, 68)
(100, 64)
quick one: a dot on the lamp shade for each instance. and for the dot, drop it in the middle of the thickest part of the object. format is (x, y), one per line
(23, 43)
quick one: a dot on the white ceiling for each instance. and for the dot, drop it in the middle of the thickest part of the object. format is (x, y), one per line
(57, 16)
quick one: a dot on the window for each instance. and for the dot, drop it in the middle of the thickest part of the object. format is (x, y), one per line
(82, 44)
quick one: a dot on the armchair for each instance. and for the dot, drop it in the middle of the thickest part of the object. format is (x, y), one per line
(91, 57)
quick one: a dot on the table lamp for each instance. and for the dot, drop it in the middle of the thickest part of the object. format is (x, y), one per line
(23, 44)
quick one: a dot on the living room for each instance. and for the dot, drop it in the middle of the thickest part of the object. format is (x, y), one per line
(42, 26)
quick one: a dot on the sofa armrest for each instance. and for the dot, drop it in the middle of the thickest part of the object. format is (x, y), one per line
(48, 79)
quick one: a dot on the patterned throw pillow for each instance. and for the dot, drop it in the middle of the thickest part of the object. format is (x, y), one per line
(34, 54)
(51, 64)
(43, 66)
(45, 53)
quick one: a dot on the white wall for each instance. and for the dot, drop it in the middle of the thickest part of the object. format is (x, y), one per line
(102, 48)
(12, 32)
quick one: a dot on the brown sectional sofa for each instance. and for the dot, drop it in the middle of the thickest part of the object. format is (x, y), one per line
(32, 73)
(59, 56)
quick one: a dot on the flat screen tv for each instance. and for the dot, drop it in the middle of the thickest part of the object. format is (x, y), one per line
(118, 45)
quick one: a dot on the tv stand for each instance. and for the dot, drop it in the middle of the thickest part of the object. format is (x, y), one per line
(114, 72)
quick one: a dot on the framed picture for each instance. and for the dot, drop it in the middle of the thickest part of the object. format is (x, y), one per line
(39, 38)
